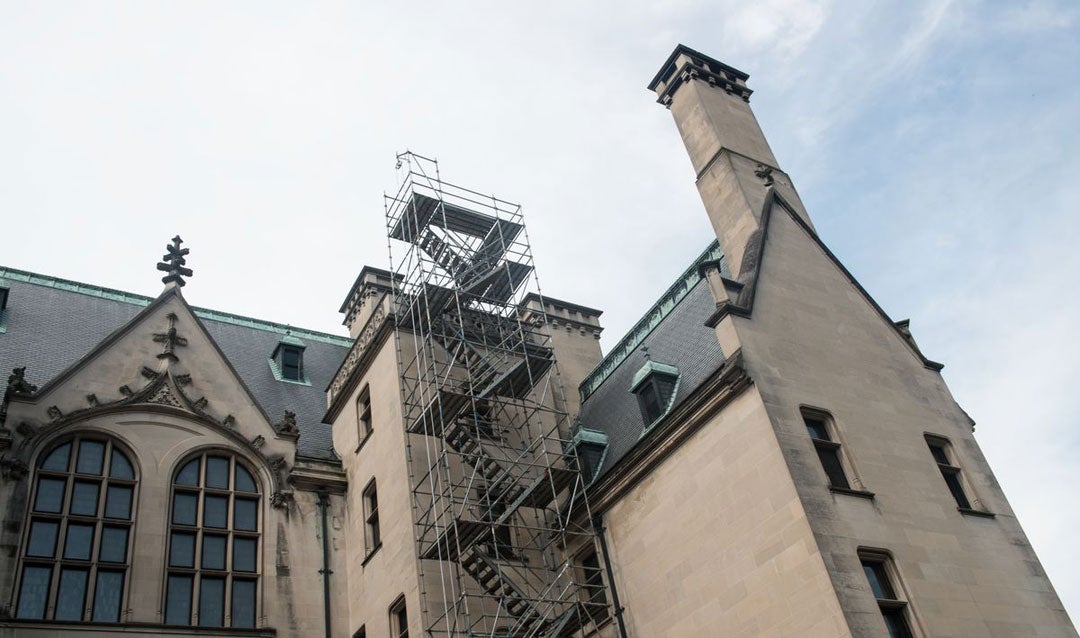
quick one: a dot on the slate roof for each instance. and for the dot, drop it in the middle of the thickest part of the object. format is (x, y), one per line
(681, 339)
(51, 323)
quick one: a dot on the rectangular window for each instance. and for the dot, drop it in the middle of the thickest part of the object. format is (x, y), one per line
(363, 418)
(178, 600)
(107, 596)
(828, 450)
(399, 619)
(941, 450)
(371, 517)
(292, 363)
(881, 575)
(592, 585)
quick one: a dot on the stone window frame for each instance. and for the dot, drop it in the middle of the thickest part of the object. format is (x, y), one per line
(198, 571)
(364, 425)
(901, 600)
(398, 613)
(58, 562)
(953, 468)
(837, 444)
(372, 528)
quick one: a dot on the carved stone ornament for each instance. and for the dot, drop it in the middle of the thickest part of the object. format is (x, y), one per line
(287, 425)
(764, 173)
(13, 469)
(54, 412)
(281, 499)
(170, 339)
(258, 442)
(26, 429)
(173, 261)
(357, 351)
(165, 396)
(17, 383)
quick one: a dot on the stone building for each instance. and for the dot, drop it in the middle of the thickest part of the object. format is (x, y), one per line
(765, 453)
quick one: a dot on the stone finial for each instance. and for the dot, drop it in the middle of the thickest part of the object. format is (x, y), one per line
(17, 383)
(172, 263)
(287, 425)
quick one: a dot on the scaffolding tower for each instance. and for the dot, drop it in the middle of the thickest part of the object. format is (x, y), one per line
(498, 500)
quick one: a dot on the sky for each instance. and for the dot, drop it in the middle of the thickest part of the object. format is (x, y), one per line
(935, 144)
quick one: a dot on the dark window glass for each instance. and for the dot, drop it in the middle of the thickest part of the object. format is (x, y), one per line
(79, 542)
(91, 457)
(589, 456)
(185, 507)
(57, 459)
(178, 600)
(107, 596)
(290, 363)
(71, 594)
(830, 460)
(371, 501)
(34, 591)
(217, 472)
(215, 510)
(244, 480)
(120, 466)
(211, 602)
(50, 495)
(649, 401)
(879, 581)
(182, 550)
(213, 552)
(665, 388)
(84, 498)
(939, 454)
(402, 621)
(42, 541)
(118, 502)
(243, 554)
(113, 545)
(189, 474)
(245, 514)
(896, 623)
(817, 429)
(952, 479)
(243, 603)
(594, 581)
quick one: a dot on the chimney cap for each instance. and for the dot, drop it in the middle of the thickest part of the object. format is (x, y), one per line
(701, 65)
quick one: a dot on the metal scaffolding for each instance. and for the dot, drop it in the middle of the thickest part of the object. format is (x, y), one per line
(494, 478)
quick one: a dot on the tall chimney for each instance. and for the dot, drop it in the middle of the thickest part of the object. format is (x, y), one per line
(732, 160)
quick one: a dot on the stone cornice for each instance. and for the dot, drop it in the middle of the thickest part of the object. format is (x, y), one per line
(379, 326)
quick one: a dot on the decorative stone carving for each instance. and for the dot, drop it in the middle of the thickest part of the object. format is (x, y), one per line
(126, 391)
(26, 429)
(165, 396)
(358, 349)
(182, 379)
(281, 499)
(149, 373)
(13, 469)
(173, 261)
(17, 383)
(54, 412)
(287, 425)
(764, 173)
(258, 442)
(199, 403)
(170, 339)
(92, 400)
(229, 421)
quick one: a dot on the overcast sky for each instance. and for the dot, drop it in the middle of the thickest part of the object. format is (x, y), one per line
(936, 145)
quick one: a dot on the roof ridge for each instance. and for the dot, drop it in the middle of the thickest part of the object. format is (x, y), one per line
(136, 299)
(652, 317)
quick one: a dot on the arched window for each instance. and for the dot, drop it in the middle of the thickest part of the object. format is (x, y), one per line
(77, 545)
(213, 554)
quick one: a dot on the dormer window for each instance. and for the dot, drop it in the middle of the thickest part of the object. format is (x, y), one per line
(3, 305)
(655, 385)
(590, 446)
(287, 360)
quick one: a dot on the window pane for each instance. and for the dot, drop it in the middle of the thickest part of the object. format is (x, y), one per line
(211, 602)
(217, 472)
(79, 541)
(830, 460)
(34, 592)
(879, 581)
(243, 603)
(71, 594)
(57, 459)
(182, 550)
(184, 508)
(118, 502)
(244, 480)
(113, 545)
(189, 474)
(120, 466)
(817, 429)
(42, 541)
(952, 479)
(939, 454)
(215, 510)
(896, 623)
(107, 596)
(50, 495)
(178, 600)
(245, 514)
(650, 402)
(84, 498)
(243, 559)
(213, 552)
(91, 457)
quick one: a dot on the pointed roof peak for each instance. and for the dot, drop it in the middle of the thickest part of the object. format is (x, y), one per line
(173, 264)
